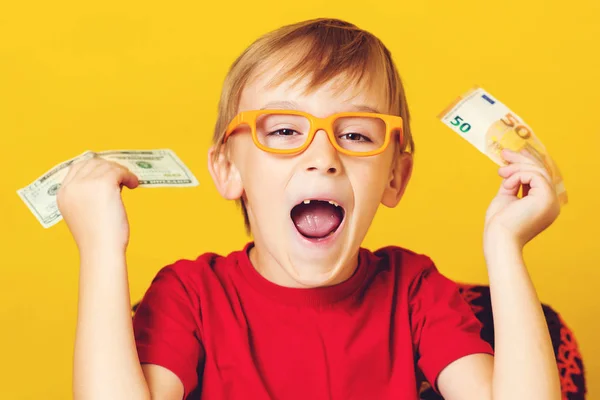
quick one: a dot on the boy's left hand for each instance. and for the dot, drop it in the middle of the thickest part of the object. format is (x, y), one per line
(521, 219)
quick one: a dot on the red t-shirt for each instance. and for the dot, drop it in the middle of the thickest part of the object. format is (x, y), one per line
(228, 333)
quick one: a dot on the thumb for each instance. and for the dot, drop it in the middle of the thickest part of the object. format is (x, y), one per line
(128, 179)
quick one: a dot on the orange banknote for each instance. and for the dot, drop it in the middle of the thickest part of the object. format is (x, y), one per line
(490, 126)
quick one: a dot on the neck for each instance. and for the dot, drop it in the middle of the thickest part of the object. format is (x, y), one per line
(270, 269)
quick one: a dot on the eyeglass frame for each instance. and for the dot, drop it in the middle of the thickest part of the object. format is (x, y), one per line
(393, 124)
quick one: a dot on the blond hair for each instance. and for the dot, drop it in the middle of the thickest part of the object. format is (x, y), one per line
(320, 50)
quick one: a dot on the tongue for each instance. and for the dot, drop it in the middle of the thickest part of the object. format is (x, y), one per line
(316, 219)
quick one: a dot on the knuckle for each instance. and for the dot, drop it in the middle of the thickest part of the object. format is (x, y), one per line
(115, 166)
(64, 195)
(60, 196)
(115, 172)
(103, 179)
(97, 161)
(91, 161)
(103, 163)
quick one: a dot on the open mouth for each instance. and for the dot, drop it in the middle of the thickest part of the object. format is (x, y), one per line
(317, 219)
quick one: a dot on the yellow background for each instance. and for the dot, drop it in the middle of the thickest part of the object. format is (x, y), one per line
(128, 75)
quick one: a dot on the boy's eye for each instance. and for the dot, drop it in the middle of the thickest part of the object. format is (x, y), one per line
(284, 132)
(355, 137)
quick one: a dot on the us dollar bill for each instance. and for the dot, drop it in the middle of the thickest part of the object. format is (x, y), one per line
(491, 126)
(154, 168)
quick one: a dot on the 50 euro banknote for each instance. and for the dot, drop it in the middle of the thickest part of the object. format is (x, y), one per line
(491, 126)
(154, 168)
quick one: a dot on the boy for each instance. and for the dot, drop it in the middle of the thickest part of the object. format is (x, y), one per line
(312, 135)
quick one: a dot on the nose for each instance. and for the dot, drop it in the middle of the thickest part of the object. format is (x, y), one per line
(321, 156)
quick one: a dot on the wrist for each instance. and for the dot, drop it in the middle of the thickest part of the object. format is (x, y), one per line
(498, 244)
(101, 254)
(100, 244)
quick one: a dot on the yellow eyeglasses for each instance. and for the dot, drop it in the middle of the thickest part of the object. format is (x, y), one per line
(288, 132)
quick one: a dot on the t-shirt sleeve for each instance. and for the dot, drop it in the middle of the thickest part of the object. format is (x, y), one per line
(444, 328)
(166, 327)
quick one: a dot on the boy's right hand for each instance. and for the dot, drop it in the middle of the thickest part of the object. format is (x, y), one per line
(91, 205)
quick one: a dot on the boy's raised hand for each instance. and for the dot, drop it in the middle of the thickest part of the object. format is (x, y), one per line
(521, 219)
(91, 205)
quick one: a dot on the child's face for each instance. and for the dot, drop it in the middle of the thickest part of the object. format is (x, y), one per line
(274, 188)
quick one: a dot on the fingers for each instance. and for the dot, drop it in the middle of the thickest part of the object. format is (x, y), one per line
(515, 181)
(81, 168)
(522, 157)
(73, 170)
(118, 173)
(508, 188)
(522, 162)
(97, 168)
(523, 169)
(531, 181)
(509, 170)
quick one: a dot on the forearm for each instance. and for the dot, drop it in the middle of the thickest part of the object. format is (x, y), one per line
(106, 364)
(524, 365)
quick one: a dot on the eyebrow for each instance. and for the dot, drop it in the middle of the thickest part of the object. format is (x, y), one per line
(290, 105)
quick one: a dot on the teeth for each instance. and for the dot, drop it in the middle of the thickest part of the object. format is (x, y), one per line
(330, 202)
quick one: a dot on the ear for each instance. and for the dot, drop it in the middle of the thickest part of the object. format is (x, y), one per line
(225, 175)
(400, 173)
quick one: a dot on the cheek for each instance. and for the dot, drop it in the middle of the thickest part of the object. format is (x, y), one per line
(369, 182)
(264, 179)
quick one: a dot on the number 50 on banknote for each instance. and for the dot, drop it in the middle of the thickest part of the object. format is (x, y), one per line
(490, 126)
